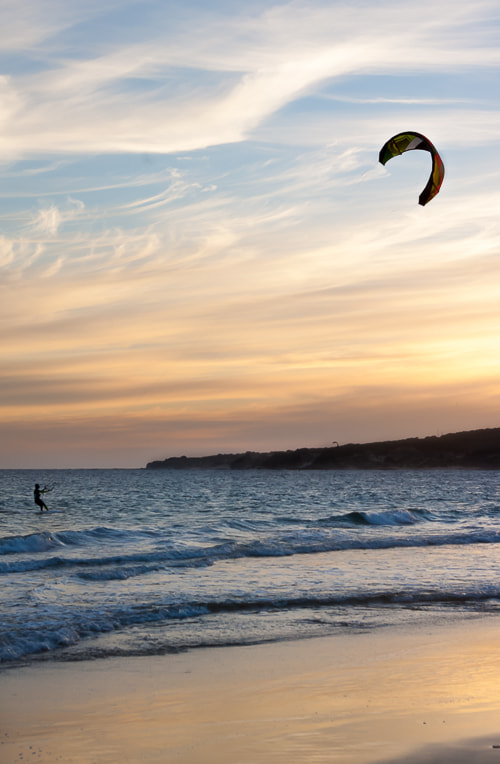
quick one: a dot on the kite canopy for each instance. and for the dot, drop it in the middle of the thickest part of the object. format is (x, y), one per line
(402, 142)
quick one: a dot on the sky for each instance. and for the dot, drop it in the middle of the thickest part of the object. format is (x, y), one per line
(199, 250)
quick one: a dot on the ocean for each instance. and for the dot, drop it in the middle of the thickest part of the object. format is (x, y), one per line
(141, 562)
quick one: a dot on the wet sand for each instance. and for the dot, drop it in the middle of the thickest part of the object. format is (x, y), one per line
(430, 695)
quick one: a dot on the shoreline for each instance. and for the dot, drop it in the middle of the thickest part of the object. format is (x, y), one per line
(423, 696)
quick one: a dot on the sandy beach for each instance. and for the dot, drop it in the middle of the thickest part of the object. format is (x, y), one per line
(391, 695)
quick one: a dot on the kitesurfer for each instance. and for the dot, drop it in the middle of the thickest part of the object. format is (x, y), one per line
(38, 499)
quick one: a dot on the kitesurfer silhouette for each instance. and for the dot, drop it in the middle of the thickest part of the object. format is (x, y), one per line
(38, 499)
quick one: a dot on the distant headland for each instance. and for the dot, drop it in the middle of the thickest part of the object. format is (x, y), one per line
(473, 449)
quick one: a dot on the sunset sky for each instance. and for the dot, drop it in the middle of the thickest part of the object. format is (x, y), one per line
(199, 250)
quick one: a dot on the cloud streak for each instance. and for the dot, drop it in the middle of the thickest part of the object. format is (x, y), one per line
(257, 66)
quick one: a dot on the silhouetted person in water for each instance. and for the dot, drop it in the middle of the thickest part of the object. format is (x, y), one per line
(38, 499)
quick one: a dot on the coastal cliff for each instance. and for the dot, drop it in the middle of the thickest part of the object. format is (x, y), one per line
(473, 449)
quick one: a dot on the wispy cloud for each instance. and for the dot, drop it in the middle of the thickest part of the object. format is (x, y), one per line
(48, 220)
(258, 65)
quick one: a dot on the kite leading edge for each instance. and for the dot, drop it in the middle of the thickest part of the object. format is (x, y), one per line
(402, 142)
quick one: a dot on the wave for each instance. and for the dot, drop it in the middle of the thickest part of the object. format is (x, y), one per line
(168, 554)
(392, 517)
(46, 540)
(120, 573)
(34, 542)
(56, 633)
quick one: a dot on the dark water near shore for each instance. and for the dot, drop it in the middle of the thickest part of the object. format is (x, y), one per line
(137, 562)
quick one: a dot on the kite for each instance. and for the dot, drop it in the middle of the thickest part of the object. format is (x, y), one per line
(402, 142)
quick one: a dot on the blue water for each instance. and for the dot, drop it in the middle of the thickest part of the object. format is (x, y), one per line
(136, 562)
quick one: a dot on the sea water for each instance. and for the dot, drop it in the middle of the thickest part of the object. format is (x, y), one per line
(137, 562)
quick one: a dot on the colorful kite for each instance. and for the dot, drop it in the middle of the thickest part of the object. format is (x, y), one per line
(402, 142)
